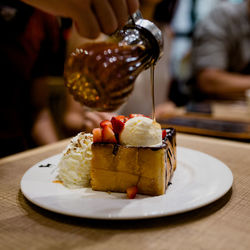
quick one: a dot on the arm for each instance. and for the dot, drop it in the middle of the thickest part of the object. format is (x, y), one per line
(91, 16)
(165, 110)
(43, 130)
(214, 53)
(220, 82)
(77, 118)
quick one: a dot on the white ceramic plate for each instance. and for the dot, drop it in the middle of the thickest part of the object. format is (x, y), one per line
(198, 180)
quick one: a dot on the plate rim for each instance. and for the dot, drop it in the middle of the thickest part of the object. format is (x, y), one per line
(122, 217)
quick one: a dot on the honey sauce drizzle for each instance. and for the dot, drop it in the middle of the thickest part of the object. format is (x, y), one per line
(152, 73)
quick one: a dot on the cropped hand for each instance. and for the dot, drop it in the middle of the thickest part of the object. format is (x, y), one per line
(77, 118)
(90, 16)
(75, 122)
(165, 110)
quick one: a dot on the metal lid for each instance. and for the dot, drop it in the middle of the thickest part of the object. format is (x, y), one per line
(137, 20)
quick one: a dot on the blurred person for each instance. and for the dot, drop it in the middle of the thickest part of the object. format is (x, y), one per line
(91, 16)
(30, 50)
(221, 52)
(188, 13)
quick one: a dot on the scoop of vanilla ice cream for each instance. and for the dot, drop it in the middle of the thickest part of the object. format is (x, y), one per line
(141, 131)
(74, 166)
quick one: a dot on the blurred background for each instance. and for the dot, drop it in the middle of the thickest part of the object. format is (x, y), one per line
(46, 113)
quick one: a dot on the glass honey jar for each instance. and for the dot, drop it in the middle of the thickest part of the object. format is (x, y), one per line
(101, 75)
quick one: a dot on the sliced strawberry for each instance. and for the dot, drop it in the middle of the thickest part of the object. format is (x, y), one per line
(125, 119)
(164, 133)
(108, 135)
(135, 115)
(97, 135)
(122, 118)
(106, 123)
(131, 192)
(117, 124)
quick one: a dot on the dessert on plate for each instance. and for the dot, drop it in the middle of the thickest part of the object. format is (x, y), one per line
(128, 154)
(75, 163)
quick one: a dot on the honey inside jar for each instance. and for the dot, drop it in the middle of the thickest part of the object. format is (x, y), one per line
(101, 75)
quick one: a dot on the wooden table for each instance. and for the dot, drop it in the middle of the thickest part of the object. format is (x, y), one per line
(224, 224)
(229, 120)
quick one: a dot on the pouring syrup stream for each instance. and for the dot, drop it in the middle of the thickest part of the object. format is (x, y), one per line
(152, 72)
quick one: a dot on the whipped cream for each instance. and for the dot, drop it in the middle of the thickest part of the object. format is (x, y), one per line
(74, 166)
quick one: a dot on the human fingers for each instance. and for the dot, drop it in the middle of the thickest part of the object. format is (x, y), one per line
(86, 21)
(105, 16)
(120, 9)
(165, 110)
(89, 126)
(133, 6)
(94, 16)
(106, 116)
(73, 123)
(92, 119)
